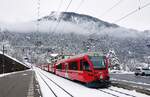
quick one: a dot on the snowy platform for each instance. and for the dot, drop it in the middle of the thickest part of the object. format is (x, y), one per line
(18, 84)
(55, 86)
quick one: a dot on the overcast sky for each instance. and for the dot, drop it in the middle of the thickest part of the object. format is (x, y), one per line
(15, 11)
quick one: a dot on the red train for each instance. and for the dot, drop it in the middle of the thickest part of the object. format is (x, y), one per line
(90, 69)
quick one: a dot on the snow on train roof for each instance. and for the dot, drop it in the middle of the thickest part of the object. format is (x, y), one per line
(14, 59)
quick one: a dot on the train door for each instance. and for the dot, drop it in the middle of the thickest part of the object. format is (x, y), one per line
(87, 71)
(66, 70)
(59, 69)
(73, 70)
(63, 71)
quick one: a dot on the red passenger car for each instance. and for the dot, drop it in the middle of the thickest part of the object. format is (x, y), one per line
(87, 68)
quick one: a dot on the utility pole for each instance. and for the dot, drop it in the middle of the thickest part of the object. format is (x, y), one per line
(3, 60)
(148, 45)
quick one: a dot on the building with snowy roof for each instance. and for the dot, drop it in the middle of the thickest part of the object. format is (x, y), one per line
(10, 64)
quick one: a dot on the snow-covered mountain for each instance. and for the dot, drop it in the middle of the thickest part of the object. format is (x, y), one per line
(84, 24)
(76, 23)
(79, 19)
(69, 22)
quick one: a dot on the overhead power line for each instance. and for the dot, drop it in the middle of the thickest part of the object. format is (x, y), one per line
(60, 4)
(132, 12)
(57, 10)
(139, 4)
(68, 5)
(38, 15)
(37, 22)
(79, 5)
(59, 20)
(74, 11)
(111, 8)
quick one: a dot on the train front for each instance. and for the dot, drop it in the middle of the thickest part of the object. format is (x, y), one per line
(100, 71)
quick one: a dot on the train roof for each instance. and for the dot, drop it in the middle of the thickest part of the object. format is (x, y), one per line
(81, 56)
(71, 58)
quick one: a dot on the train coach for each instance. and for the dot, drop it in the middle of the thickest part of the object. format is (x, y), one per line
(91, 69)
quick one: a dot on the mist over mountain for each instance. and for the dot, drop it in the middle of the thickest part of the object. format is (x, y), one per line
(76, 33)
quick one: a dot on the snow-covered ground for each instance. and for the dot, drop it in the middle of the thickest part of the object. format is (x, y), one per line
(140, 83)
(55, 86)
(120, 72)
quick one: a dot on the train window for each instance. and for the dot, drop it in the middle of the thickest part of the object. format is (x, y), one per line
(73, 66)
(59, 66)
(98, 61)
(85, 66)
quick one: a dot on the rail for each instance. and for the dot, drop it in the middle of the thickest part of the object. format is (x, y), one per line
(55, 84)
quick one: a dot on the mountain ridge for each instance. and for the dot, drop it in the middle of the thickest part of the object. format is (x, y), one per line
(76, 23)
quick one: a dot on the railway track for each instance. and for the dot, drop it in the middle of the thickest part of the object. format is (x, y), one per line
(48, 85)
(109, 93)
(52, 90)
(122, 93)
(53, 86)
(116, 93)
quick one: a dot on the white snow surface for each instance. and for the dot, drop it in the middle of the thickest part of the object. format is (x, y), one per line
(140, 83)
(121, 72)
(75, 89)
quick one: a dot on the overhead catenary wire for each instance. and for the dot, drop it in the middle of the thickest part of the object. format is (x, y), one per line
(57, 11)
(111, 8)
(132, 12)
(59, 20)
(82, 1)
(139, 4)
(36, 41)
(38, 15)
(74, 12)
(68, 5)
(59, 6)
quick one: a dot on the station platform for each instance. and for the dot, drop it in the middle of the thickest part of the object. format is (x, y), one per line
(19, 84)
